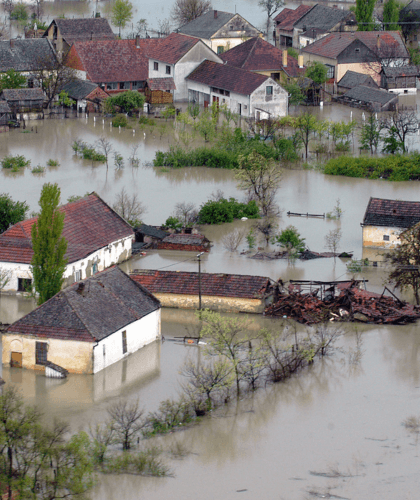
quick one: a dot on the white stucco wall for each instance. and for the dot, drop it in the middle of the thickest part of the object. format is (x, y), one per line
(141, 332)
(232, 101)
(275, 105)
(104, 257)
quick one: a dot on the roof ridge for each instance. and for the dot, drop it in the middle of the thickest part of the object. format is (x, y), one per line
(73, 308)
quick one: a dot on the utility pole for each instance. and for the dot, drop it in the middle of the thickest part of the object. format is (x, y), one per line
(199, 279)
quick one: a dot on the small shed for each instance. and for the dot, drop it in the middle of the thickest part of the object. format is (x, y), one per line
(160, 90)
(384, 220)
(5, 113)
(369, 98)
(24, 101)
(186, 242)
(400, 79)
(353, 79)
(88, 95)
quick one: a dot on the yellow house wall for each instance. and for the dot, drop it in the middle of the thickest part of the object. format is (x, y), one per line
(225, 304)
(371, 69)
(76, 357)
(373, 236)
(227, 43)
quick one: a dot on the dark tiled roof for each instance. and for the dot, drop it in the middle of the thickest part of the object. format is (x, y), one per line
(22, 54)
(220, 285)
(353, 79)
(313, 33)
(370, 95)
(392, 213)
(161, 84)
(73, 30)
(322, 17)
(4, 107)
(35, 94)
(152, 231)
(185, 239)
(171, 48)
(258, 55)
(206, 25)
(413, 6)
(90, 310)
(112, 60)
(331, 46)
(79, 89)
(226, 77)
(89, 224)
(400, 71)
(289, 17)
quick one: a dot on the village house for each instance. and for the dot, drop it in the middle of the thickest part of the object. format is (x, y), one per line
(5, 116)
(300, 27)
(244, 92)
(219, 292)
(261, 57)
(149, 235)
(184, 242)
(85, 327)
(360, 51)
(219, 30)
(64, 32)
(24, 104)
(384, 221)
(353, 79)
(97, 237)
(87, 95)
(372, 99)
(400, 79)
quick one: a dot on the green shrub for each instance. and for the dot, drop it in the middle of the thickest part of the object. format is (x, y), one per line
(53, 163)
(14, 163)
(143, 120)
(86, 151)
(220, 211)
(173, 223)
(19, 12)
(120, 121)
(39, 169)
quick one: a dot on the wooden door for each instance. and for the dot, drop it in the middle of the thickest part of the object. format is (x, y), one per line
(16, 360)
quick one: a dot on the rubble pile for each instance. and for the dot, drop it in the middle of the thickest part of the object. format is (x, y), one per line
(348, 304)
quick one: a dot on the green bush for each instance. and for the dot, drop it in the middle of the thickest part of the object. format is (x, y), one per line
(120, 121)
(19, 12)
(86, 151)
(218, 212)
(39, 169)
(147, 121)
(14, 163)
(392, 168)
(126, 102)
(53, 163)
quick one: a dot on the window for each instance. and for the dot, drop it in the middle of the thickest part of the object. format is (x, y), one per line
(41, 349)
(220, 49)
(168, 70)
(156, 66)
(137, 85)
(30, 83)
(78, 275)
(124, 341)
(386, 237)
(269, 90)
(330, 71)
(357, 50)
(112, 86)
(415, 38)
(24, 285)
(231, 27)
(94, 268)
(124, 85)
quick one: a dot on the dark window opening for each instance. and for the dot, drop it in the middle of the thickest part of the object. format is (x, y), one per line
(112, 86)
(220, 49)
(156, 66)
(24, 285)
(94, 268)
(269, 90)
(168, 70)
(41, 349)
(124, 341)
(124, 85)
(386, 237)
(330, 71)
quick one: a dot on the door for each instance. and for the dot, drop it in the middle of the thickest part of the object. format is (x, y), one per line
(16, 360)
(216, 99)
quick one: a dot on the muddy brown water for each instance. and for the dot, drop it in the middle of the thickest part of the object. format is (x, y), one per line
(336, 416)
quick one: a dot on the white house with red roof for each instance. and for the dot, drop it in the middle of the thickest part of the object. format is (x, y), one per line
(97, 238)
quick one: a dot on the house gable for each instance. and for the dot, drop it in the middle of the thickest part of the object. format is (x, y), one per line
(25, 54)
(392, 213)
(236, 27)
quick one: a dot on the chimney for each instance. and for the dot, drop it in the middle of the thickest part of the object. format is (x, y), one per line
(300, 60)
(137, 41)
(284, 58)
(378, 42)
(215, 14)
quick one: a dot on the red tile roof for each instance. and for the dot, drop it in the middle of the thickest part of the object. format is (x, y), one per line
(89, 224)
(90, 310)
(170, 49)
(288, 17)
(391, 44)
(227, 77)
(161, 84)
(110, 60)
(220, 285)
(258, 55)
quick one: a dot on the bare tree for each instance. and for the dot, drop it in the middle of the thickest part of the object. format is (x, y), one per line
(270, 7)
(232, 240)
(401, 124)
(129, 208)
(185, 11)
(127, 422)
(267, 226)
(164, 26)
(105, 147)
(332, 240)
(323, 337)
(102, 435)
(185, 212)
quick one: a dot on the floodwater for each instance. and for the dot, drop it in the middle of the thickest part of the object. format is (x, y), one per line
(335, 416)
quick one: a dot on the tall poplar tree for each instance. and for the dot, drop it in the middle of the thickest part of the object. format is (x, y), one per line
(391, 15)
(364, 14)
(48, 262)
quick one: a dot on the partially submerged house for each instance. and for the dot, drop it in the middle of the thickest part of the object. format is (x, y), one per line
(400, 79)
(97, 237)
(5, 116)
(244, 92)
(384, 220)
(85, 327)
(353, 79)
(219, 30)
(64, 32)
(369, 98)
(24, 103)
(184, 242)
(88, 96)
(220, 292)
(261, 57)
